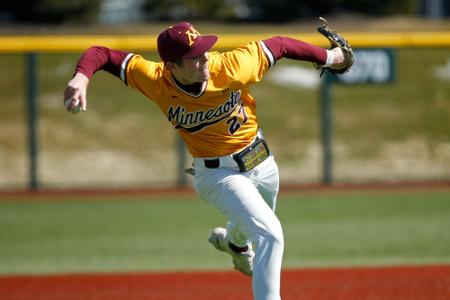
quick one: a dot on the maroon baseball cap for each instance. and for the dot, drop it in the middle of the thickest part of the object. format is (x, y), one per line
(183, 41)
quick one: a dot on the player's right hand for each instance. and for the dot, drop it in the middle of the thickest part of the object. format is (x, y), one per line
(75, 92)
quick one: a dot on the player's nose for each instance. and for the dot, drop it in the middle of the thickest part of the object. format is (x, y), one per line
(204, 57)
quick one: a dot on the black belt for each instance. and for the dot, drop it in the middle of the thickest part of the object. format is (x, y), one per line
(246, 159)
(212, 163)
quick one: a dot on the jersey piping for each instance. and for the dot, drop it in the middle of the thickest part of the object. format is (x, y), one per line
(268, 53)
(123, 67)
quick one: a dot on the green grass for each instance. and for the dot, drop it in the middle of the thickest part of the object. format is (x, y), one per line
(367, 229)
(135, 234)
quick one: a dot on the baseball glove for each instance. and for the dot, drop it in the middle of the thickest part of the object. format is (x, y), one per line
(336, 40)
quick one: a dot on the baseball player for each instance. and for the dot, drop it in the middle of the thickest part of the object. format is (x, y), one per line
(206, 97)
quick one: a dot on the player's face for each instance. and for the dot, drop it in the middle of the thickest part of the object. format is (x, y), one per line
(192, 70)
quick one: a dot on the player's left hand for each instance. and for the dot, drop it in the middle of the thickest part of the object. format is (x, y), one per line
(341, 48)
(339, 57)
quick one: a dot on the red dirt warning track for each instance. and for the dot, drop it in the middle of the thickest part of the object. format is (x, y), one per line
(396, 283)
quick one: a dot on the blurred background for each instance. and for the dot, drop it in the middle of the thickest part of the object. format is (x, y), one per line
(395, 130)
(138, 11)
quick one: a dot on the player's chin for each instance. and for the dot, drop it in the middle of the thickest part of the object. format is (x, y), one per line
(202, 76)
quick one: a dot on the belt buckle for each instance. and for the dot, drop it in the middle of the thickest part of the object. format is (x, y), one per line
(252, 156)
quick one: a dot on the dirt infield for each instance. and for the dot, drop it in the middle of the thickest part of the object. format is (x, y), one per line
(157, 192)
(404, 282)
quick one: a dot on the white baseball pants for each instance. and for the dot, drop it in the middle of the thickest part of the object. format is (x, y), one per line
(248, 200)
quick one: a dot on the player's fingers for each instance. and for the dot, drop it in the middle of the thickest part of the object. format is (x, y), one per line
(72, 101)
(83, 101)
(68, 96)
(71, 95)
(68, 92)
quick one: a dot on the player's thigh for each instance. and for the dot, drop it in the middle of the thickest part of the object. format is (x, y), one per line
(268, 181)
(235, 195)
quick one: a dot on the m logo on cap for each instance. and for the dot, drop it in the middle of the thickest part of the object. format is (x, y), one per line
(192, 34)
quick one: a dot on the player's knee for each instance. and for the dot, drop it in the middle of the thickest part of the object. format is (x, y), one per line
(274, 233)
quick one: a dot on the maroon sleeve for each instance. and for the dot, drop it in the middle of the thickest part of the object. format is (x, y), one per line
(100, 58)
(290, 48)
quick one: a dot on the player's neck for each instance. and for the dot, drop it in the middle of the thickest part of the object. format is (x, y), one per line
(192, 88)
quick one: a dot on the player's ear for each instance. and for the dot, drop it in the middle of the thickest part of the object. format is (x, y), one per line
(170, 65)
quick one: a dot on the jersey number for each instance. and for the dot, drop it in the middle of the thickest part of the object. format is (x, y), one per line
(234, 122)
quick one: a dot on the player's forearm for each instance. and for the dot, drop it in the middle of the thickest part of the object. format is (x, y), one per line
(100, 58)
(295, 49)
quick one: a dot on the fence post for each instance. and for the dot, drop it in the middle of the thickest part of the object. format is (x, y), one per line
(181, 154)
(326, 128)
(32, 117)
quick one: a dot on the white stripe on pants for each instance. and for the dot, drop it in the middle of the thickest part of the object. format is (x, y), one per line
(248, 200)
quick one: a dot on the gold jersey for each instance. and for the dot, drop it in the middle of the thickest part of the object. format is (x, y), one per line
(220, 120)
